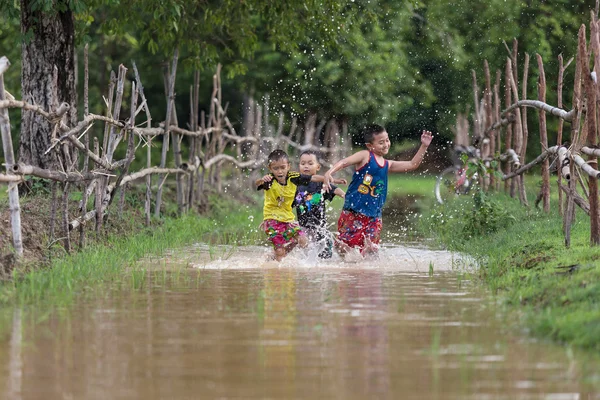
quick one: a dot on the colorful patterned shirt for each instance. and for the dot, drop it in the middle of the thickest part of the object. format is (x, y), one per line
(310, 204)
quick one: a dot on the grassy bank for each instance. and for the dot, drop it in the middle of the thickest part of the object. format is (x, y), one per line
(554, 289)
(108, 261)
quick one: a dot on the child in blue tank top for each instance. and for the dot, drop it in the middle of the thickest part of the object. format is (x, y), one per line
(359, 225)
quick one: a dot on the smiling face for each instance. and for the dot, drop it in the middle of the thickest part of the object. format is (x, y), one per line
(309, 165)
(380, 145)
(280, 168)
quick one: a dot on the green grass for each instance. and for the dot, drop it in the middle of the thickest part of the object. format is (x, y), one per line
(115, 261)
(411, 184)
(525, 263)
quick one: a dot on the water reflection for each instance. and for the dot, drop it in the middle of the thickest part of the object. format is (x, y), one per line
(221, 328)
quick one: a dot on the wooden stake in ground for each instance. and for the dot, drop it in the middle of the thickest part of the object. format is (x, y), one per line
(569, 208)
(86, 140)
(498, 133)
(543, 136)
(148, 144)
(559, 132)
(592, 140)
(9, 159)
(165, 149)
(524, 109)
(509, 128)
(195, 142)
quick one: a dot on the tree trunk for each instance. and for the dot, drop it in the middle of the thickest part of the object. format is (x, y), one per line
(50, 45)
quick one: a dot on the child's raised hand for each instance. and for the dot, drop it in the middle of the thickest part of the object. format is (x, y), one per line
(267, 178)
(340, 181)
(426, 138)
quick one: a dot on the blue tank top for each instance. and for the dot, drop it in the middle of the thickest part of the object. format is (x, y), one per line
(368, 189)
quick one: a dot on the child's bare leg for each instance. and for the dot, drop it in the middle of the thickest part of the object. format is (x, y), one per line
(280, 253)
(302, 241)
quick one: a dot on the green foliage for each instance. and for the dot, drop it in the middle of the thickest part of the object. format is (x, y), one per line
(212, 32)
(366, 77)
(526, 265)
(406, 65)
(37, 186)
(449, 40)
(98, 264)
(486, 217)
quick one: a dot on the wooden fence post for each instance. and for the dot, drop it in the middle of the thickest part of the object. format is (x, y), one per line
(569, 208)
(165, 148)
(509, 128)
(543, 136)
(561, 122)
(592, 140)
(9, 157)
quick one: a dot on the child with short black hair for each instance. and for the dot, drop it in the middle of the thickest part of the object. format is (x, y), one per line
(310, 203)
(360, 223)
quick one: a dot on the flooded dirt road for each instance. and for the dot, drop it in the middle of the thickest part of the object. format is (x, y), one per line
(225, 323)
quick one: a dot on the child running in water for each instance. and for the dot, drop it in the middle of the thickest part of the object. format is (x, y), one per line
(359, 225)
(280, 189)
(310, 204)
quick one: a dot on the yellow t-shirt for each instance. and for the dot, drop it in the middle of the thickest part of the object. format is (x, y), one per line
(279, 198)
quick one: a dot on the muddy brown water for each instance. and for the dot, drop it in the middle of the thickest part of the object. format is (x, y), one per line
(225, 323)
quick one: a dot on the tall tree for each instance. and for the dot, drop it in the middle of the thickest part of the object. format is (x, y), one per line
(47, 75)
(206, 31)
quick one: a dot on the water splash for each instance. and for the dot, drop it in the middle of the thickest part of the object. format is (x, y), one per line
(391, 257)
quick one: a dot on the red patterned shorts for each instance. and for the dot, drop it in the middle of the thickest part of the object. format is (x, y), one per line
(353, 228)
(282, 233)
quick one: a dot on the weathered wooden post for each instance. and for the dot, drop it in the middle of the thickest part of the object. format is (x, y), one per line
(509, 128)
(148, 177)
(196, 141)
(543, 136)
(524, 110)
(489, 120)
(559, 132)
(165, 148)
(9, 157)
(570, 207)
(590, 83)
(498, 132)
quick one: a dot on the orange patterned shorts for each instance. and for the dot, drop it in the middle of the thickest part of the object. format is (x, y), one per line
(282, 234)
(353, 228)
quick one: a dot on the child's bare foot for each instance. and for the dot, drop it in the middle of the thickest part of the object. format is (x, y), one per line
(280, 253)
(353, 256)
(349, 254)
(341, 247)
(371, 250)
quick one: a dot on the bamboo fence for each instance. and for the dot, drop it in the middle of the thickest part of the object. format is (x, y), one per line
(90, 165)
(504, 135)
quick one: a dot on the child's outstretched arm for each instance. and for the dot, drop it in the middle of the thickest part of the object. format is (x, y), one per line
(259, 182)
(339, 192)
(360, 158)
(321, 178)
(406, 166)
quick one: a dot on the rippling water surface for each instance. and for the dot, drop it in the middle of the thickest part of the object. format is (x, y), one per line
(225, 323)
